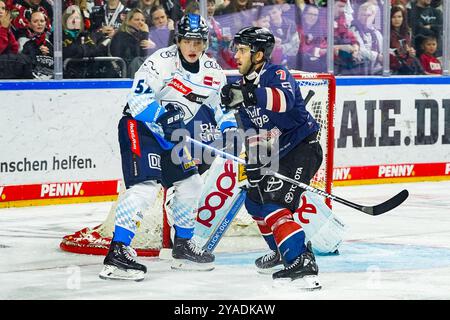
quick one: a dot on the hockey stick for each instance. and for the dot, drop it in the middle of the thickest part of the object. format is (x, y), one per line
(376, 210)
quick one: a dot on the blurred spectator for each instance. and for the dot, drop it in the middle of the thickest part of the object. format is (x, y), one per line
(78, 44)
(84, 8)
(12, 64)
(402, 54)
(219, 39)
(236, 14)
(285, 31)
(132, 41)
(192, 7)
(39, 47)
(426, 21)
(8, 43)
(107, 19)
(346, 47)
(22, 12)
(405, 3)
(146, 7)
(436, 4)
(430, 63)
(370, 40)
(378, 23)
(174, 8)
(162, 33)
(233, 6)
(313, 41)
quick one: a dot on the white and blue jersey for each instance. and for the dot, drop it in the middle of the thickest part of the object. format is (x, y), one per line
(162, 79)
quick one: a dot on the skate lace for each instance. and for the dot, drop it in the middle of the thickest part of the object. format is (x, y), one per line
(301, 259)
(130, 254)
(269, 256)
(195, 249)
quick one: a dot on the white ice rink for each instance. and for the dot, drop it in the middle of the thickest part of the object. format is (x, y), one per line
(403, 254)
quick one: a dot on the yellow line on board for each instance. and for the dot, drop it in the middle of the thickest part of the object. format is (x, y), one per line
(45, 202)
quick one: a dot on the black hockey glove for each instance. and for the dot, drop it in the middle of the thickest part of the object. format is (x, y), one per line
(248, 93)
(170, 121)
(254, 173)
(231, 96)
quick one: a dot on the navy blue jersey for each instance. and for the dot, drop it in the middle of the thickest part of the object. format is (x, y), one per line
(280, 109)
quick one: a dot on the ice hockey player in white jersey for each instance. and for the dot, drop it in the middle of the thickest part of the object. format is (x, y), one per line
(175, 88)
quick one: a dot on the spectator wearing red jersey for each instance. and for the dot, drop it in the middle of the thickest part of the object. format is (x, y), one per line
(23, 10)
(431, 65)
(8, 43)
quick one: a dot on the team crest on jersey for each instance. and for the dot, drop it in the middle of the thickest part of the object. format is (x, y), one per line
(207, 80)
(210, 81)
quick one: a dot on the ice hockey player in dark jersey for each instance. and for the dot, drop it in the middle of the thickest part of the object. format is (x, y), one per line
(284, 138)
(176, 88)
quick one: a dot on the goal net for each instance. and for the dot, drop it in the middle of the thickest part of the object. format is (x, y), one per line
(154, 231)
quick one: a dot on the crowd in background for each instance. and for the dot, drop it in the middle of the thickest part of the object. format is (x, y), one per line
(128, 31)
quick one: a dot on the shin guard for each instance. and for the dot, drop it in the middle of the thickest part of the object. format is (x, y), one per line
(288, 234)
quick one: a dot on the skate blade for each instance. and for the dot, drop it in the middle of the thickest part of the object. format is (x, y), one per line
(269, 271)
(114, 273)
(307, 283)
(186, 265)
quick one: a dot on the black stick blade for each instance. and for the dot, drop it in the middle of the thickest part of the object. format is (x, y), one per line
(388, 205)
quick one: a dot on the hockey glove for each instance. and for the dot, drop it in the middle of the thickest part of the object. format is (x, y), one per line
(248, 93)
(254, 173)
(170, 121)
(231, 96)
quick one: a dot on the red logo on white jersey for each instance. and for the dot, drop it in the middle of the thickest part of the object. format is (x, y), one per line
(179, 86)
(207, 80)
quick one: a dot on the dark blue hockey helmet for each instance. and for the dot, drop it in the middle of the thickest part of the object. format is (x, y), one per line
(257, 38)
(192, 26)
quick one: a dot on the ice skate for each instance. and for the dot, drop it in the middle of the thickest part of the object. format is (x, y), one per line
(119, 264)
(302, 273)
(269, 262)
(188, 256)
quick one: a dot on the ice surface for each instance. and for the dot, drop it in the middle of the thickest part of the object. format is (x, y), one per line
(403, 254)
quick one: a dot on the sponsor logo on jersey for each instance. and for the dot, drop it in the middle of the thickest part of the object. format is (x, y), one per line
(207, 80)
(167, 54)
(273, 184)
(290, 195)
(134, 138)
(154, 161)
(196, 98)
(179, 86)
(209, 132)
(212, 65)
(61, 189)
(150, 65)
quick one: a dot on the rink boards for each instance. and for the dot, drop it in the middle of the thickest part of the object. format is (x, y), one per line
(59, 138)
